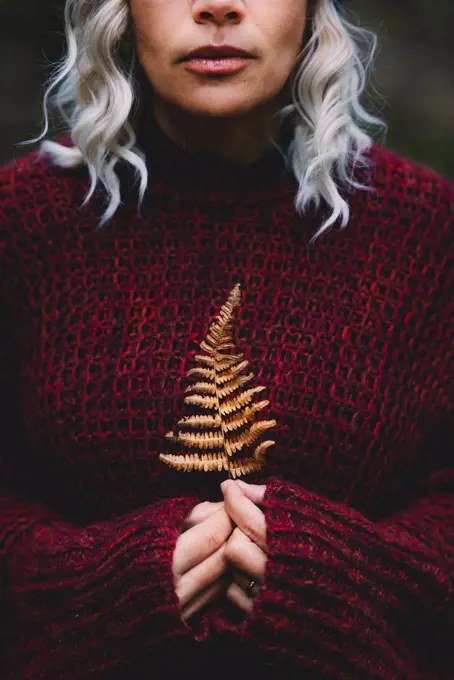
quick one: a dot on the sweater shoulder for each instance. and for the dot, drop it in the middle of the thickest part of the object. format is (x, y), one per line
(19, 180)
(35, 192)
(415, 188)
(410, 209)
(39, 202)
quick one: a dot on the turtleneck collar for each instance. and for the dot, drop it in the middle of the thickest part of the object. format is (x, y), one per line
(169, 162)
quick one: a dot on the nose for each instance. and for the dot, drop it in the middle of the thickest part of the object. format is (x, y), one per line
(217, 11)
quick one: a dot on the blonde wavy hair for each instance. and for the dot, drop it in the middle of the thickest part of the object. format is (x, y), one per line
(95, 92)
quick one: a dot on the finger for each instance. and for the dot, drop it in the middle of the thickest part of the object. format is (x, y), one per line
(236, 595)
(201, 541)
(243, 580)
(201, 512)
(204, 597)
(246, 556)
(244, 513)
(255, 492)
(202, 575)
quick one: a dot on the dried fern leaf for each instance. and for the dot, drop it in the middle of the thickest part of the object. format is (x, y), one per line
(261, 449)
(210, 361)
(209, 345)
(234, 385)
(233, 301)
(201, 400)
(201, 421)
(202, 440)
(226, 345)
(202, 388)
(239, 401)
(230, 363)
(243, 418)
(216, 342)
(239, 420)
(214, 463)
(244, 467)
(194, 461)
(171, 438)
(201, 372)
(248, 437)
(177, 462)
(225, 377)
(219, 387)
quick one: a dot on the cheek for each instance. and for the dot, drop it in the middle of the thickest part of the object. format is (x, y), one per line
(277, 69)
(291, 40)
(151, 54)
(285, 40)
(151, 28)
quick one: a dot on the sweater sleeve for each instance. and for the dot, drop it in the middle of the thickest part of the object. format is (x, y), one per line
(79, 601)
(76, 601)
(353, 595)
(341, 590)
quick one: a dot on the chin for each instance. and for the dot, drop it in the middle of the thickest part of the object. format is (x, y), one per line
(219, 102)
(217, 109)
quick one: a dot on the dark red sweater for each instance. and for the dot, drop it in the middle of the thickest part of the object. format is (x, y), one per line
(353, 338)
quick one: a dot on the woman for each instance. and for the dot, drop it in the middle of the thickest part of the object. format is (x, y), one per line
(336, 559)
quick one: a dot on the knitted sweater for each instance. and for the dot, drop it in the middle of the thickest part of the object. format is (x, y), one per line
(352, 336)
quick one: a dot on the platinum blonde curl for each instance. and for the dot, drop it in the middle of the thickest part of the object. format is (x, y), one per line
(94, 91)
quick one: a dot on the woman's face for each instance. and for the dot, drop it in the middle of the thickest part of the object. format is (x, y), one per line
(270, 30)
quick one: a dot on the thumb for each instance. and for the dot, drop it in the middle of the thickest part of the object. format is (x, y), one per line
(201, 512)
(255, 492)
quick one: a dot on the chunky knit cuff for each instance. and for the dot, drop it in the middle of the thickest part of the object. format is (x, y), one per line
(86, 600)
(342, 594)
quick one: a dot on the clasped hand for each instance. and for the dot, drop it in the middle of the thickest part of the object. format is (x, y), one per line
(222, 548)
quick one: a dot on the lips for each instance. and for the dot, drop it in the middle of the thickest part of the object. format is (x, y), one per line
(217, 52)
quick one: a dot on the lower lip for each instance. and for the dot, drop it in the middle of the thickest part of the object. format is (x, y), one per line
(215, 66)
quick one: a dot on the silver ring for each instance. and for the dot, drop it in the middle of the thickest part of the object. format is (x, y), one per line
(249, 589)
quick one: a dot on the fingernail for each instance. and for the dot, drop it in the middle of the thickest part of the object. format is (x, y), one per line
(223, 485)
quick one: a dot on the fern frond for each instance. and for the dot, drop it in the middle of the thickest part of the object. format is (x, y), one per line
(210, 361)
(226, 345)
(190, 462)
(202, 388)
(234, 385)
(219, 387)
(215, 346)
(225, 377)
(248, 437)
(201, 421)
(201, 400)
(203, 440)
(231, 363)
(201, 372)
(261, 449)
(240, 419)
(239, 401)
(244, 467)
(246, 416)
(171, 438)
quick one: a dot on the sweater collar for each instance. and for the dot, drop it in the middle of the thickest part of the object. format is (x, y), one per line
(171, 163)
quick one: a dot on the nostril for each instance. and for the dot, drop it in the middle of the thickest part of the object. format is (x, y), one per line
(229, 15)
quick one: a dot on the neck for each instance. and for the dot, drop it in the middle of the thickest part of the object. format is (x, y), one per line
(241, 139)
(190, 156)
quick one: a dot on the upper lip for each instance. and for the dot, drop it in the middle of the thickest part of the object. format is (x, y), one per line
(217, 51)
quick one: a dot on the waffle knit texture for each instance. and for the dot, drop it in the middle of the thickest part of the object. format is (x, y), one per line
(352, 337)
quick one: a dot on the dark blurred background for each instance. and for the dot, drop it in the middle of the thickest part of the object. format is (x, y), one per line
(414, 73)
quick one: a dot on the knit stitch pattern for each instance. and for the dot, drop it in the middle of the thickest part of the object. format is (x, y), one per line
(352, 338)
